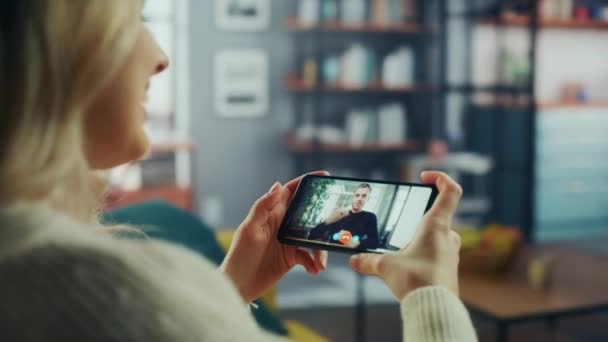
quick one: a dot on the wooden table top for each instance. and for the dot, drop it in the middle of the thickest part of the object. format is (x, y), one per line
(579, 282)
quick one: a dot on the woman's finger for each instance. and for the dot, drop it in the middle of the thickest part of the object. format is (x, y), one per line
(261, 208)
(370, 263)
(455, 239)
(304, 258)
(450, 193)
(320, 259)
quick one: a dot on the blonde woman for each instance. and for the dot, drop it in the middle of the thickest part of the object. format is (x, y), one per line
(73, 75)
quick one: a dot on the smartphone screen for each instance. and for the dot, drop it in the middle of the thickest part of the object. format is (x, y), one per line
(355, 215)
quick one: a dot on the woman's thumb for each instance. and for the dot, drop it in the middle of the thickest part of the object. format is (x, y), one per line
(369, 263)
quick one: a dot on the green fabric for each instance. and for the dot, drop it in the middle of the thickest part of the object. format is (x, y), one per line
(161, 220)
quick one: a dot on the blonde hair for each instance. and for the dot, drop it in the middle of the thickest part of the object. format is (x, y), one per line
(55, 57)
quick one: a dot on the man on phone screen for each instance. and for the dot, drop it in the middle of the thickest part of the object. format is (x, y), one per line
(352, 227)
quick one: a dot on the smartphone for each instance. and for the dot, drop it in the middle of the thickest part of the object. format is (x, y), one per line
(355, 215)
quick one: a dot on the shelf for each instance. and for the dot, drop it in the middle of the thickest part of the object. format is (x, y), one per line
(294, 25)
(522, 21)
(297, 85)
(295, 146)
(495, 89)
(180, 197)
(571, 105)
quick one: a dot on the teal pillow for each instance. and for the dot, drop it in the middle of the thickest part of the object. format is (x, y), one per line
(163, 221)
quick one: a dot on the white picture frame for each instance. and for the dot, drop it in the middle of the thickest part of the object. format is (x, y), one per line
(242, 15)
(241, 83)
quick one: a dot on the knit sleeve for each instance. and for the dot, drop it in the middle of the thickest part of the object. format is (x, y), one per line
(433, 314)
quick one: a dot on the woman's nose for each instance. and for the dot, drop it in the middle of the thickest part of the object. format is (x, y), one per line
(162, 64)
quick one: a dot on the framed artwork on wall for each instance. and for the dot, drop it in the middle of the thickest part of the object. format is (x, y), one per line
(240, 82)
(242, 15)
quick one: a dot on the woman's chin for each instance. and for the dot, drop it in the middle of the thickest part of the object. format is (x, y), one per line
(135, 152)
(140, 149)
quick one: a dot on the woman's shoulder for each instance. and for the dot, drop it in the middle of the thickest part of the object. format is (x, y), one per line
(23, 232)
(57, 266)
(38, 234)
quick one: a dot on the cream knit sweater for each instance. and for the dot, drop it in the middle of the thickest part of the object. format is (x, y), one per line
(60, 281)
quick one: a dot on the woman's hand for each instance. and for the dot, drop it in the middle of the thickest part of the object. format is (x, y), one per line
(256, 259)
(432, 257)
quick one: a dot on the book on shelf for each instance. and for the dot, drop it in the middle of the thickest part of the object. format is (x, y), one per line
(355, 63)
(353, 11)
(391, 12)
(308, 12)
(357, 127)
(392, 124)
(398, 68)
(386, 125)
(356, 12)
(556, 9)
(359, 67)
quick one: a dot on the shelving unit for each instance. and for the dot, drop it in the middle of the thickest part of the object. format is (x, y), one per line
(327, 103)
(513, 127)
(488, 123)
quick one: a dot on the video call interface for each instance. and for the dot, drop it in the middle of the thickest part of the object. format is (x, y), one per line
(360, 215)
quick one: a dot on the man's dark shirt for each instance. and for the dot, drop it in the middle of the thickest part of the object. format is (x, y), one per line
(363, 224)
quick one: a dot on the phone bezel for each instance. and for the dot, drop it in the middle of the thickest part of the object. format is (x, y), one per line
(331, 247)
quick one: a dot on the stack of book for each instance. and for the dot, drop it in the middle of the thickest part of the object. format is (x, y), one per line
(359, 66)
(392, 12)
(357, 12)
(385, 125)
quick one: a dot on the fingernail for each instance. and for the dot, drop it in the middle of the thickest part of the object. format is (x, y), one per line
(354, 261)
(274, 187)
(324, 261)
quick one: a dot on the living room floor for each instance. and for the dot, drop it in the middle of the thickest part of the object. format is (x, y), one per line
(383, 323)
(326, 304)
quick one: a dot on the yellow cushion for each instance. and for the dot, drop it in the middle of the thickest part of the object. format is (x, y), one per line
(224, 237)
(301, 333)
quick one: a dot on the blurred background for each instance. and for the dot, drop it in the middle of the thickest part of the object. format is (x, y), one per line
(509, 97)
